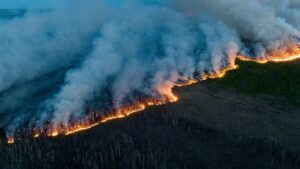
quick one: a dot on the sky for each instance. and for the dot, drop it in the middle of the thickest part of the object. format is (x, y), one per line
(32, 3)
(14, 4)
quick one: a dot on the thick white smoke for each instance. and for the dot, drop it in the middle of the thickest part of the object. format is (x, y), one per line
(63, 61)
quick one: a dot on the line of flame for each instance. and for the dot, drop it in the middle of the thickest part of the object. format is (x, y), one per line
(274, 59)
(122, 113)
(125, 112)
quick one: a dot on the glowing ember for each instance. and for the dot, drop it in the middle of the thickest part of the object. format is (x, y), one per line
(172, 98)
(10, 140)
(53, 134)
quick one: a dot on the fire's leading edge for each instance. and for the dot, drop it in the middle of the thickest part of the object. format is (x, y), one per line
(89, 123)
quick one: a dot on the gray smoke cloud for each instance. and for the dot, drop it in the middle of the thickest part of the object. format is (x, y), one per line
(58, 63)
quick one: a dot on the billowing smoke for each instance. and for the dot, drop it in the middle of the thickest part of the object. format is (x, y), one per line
(58, 64)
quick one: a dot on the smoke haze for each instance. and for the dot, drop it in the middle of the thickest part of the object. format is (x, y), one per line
(58, 64)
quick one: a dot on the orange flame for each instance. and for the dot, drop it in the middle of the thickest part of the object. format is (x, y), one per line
(292, 52)
(187, 83)
(10, 140)
(121, 113)
(273, 59)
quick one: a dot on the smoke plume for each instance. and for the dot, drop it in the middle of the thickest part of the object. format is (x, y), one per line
(61, 63)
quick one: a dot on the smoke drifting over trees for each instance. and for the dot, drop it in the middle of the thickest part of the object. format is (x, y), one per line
(56, 64)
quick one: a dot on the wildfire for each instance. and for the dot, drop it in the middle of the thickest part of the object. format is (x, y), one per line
(187, 83)
(220, 74)
(121, 113)
(170, 97)
(280, 55)
(273, 59)
(53, 133)
(10, 140)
